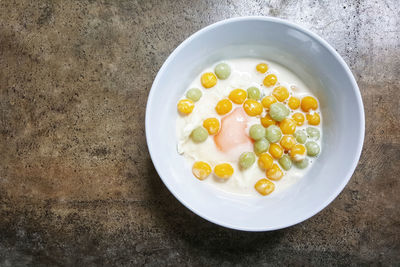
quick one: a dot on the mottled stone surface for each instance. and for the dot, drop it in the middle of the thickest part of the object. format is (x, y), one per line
(77, 186)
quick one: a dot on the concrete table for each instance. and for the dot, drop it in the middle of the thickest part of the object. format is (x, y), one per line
(77, 186)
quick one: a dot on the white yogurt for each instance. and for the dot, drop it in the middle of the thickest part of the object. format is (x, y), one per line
(243, 75)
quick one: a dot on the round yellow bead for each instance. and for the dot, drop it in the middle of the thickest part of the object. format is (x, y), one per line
(298, 152)
(287, 142)
(276, 150)
(309, 102)
(313, 119)
(265, 161)
(185, 106)
(223, 106)
(275, 173)
(252, 107)
(270, 80)
(201, 170)
(267, 121)
(264, 186)
(298, 118)
(262, 68)
(223, 171)
(288, 126)
(212, 125)
(268, 101)
(294, 102)
(281, 93)
(238, 96)
(208, 79)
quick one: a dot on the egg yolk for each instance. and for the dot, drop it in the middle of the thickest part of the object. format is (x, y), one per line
(233, 131)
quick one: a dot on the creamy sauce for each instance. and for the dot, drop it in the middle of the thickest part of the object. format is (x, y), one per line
(243, 75)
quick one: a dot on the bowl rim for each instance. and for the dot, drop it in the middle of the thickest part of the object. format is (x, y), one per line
(314, 36)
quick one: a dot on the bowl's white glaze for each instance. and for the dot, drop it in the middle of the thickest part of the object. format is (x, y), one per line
(310, 57)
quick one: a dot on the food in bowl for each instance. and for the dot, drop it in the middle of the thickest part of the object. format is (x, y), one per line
(249, 126)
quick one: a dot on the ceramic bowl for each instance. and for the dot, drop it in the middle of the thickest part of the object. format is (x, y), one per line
(319, 66)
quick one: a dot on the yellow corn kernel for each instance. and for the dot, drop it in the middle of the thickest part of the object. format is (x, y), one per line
(294, 102)
(267, 121)
(238, 96)
(223, 106)
(264, 187)
(185, 106)
(268, 101)
(262, 68)
(275, 173)
(298, 152)
(287, 142)
(298, 118)
(313, 119)
(208, 79)
(281, 93)
(212, 125)
(270, 80)
(288, 126)
(276, 150)
(223, 171)
(265, 161)
(309, 102)
(252, 107)
(201, 170)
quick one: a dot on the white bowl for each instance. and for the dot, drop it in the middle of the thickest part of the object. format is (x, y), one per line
(306, 54)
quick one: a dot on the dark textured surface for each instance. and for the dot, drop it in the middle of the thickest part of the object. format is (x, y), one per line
(77, 186)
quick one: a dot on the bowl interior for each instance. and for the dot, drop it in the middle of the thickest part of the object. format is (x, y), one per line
(319, 67)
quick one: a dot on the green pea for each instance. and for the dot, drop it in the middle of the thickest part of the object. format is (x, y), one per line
(285, 162)
(261, 146)
(313, 132)
(223, 71)
(300, 136)
(273, 133)
(278, 111)
(199, 134)
(253, 93)
(246, 160)
(257, 131)
(302, 164)
(312, 148)
(194, 94)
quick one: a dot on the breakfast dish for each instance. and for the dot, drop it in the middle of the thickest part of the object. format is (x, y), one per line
(249, 127)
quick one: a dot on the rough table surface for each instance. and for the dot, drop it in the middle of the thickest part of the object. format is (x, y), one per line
(77, 186)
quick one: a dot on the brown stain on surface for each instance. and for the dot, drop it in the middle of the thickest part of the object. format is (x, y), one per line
(77, 186)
